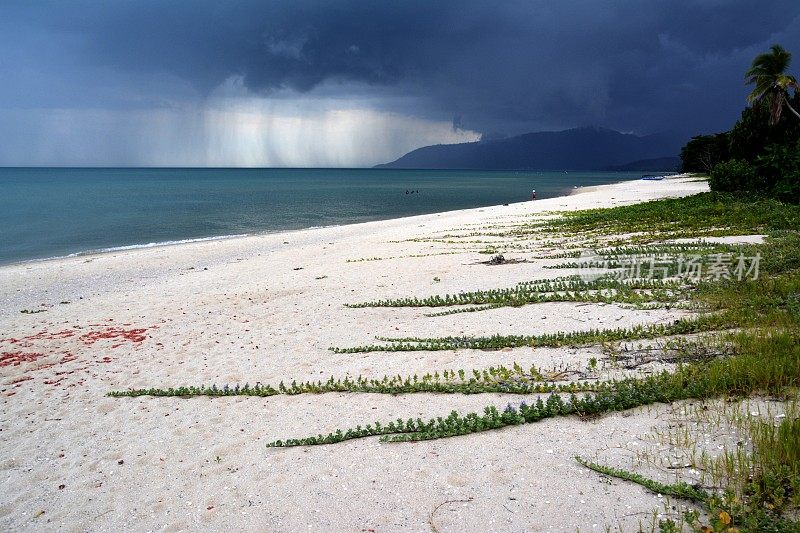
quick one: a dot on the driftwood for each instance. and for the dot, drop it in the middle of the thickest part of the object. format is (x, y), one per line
(500, 260)
(632, 359)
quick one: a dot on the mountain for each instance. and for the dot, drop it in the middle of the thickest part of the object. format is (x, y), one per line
(575, 149)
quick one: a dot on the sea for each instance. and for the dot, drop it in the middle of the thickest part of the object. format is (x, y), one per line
(56, 212)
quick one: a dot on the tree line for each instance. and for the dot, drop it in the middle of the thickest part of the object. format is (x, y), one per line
(761, 153)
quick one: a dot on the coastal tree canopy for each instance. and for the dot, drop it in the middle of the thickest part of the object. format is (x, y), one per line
(761, 153)
(772, 83)
(703, 152)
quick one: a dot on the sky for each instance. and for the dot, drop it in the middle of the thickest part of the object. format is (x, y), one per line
(355, 83)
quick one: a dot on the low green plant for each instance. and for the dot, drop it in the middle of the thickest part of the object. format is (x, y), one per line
(679, 489)
(700, 324)
(764, 361)
(570, 289)
(762, 491)
(495, 379)
(705, 214)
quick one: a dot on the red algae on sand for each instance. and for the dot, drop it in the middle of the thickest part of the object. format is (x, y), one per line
(45, 350)
(16, 358)
(42, 335)
(68, 357)
(135, 335)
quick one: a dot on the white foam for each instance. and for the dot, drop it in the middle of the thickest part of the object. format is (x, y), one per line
(127, 247)
(160, 243)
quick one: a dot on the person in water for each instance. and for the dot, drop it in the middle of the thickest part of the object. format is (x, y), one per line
(533, 194)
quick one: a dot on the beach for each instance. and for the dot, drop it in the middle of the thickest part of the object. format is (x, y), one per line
(266, 309)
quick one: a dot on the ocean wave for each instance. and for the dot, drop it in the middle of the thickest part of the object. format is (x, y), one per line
(126, 247)
(159, 243)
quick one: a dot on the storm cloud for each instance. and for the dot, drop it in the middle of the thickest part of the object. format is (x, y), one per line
(403, 70)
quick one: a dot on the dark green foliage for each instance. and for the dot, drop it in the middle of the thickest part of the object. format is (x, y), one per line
(624, 395)
(735, 175)
(768, 362)
(775, 172)
(760, 157)
(779, 166)
(752, 133)
(766, 355)
(703, 152)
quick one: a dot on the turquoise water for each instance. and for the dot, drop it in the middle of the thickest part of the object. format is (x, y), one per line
(50, 212)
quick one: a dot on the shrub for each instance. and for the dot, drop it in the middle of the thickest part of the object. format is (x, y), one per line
(780, 166)
(735, 175)
(788, 188)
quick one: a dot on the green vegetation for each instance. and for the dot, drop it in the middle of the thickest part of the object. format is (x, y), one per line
(765, 362)
(703, 152)
(735, 175)
(768, 302)
(747, 342)
(761, 154)
(757, 323)
(712, 322)
(701, 215)
(762, 488)
(772, 84)
(656, 249)
(500, 379)
(679, 490)
(603, 290)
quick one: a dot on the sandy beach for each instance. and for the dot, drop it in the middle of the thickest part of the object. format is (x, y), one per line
(266, 309)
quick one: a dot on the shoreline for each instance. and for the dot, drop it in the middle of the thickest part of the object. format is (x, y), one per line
(163, 205)
(255, 234)
(179, 242)
(267, 309)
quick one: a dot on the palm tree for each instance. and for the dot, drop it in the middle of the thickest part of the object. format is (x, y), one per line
(768, 73)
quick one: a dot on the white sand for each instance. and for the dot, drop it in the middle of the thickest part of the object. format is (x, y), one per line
(236, 311)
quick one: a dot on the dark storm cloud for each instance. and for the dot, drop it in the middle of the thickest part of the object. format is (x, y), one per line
(490, 66)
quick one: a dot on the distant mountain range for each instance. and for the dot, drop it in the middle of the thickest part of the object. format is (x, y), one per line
(575, 149)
